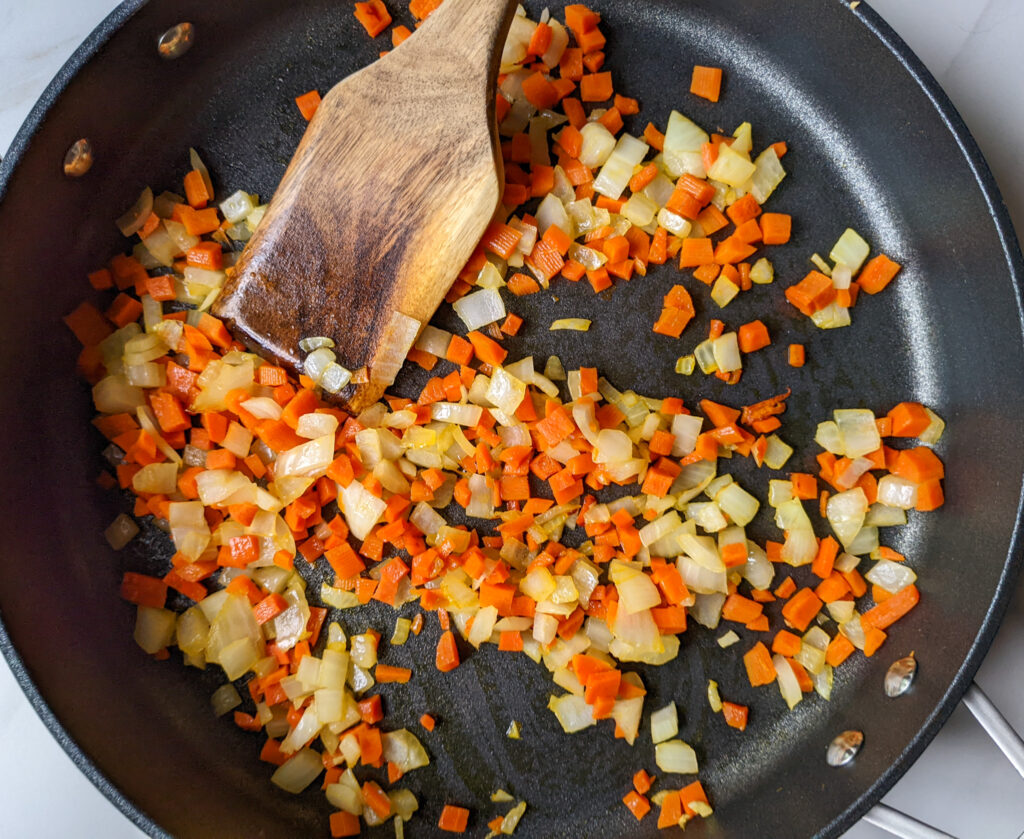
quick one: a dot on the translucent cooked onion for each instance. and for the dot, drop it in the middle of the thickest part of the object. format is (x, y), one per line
(225, 699)
(598, 145)
(570, 325)
(789, 687)
(466, 415)
(299, 771)
(552, 213)
(403, 749)
(154, 628)
(685, 428)
(768, 174)
(309, 460)
(506, 392)
(612, 446)
(572, 712)
(777, 453)
(853, 473)
(362, 509)
(730, 167)
(121, 531)
(637, 593)
(683, 135)
(618, 168)
(626, 714)
(133, 219)
(707, 607)
(726, 350)
(676, 757)
(858, 432)
(758, 569)
(664, 723)
(156, 478)
(114, 395)
(399, 336)
(897, 492)
(892, 576)
(738, 504)
(481, 498)
(800, 547)
(480, 308)
(846, 512)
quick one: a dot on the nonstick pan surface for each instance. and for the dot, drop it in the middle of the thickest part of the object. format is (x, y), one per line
(875, 145)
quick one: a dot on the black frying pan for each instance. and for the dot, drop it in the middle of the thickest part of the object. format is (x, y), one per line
(875, 145)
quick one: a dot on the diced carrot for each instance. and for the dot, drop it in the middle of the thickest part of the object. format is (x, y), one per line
(637, 804)
(696, 252)
(801, 609)
(196, 192)
(776, 228)
(758, 661)
(877, 274)
(839, 649)
(596, 87)
(453, 819)
(813, 293)
(374, 16)
(753, 336)
(706, 82)
(735, 715)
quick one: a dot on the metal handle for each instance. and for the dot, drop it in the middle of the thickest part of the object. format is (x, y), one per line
(996, 726)
(1002, 734)
(900, 824)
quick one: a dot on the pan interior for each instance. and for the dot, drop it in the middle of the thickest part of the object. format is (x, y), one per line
(868, 149)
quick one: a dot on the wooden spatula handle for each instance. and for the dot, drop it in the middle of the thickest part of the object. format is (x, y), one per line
(389, 192)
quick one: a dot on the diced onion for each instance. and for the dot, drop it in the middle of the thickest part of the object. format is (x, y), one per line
(664, 723)
(768, 174)
(730, 167)
(598, 145)
(858, 432)
(480, 308)
(121, 531)
(846, 512)
(618, 169)
(851, 250)
(362, 508)
(154, 628)
(403, 749)
(131, 222)
(225, 699)
(727, 352)
(777, 453)
(572, 712)
(789, 687)
(897, 492)
(683, 135)
(892, 576)
(298, 772)
(676, 757)
(570, 324)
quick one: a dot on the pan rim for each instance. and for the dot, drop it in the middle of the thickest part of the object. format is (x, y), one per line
(998, 213)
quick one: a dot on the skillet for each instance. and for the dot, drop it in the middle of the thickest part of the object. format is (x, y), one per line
(875, 145)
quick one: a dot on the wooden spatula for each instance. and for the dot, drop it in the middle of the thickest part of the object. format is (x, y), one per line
(395, 181)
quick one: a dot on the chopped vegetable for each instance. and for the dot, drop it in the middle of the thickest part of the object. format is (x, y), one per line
(257, 478)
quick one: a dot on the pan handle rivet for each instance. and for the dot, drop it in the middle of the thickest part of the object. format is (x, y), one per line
(176, 41)
(844, 748)
(900, 676)
(78, 159)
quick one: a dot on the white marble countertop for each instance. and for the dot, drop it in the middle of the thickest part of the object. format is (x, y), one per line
(962, 784)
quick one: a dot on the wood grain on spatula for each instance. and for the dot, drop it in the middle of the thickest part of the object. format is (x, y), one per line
(392, 186)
